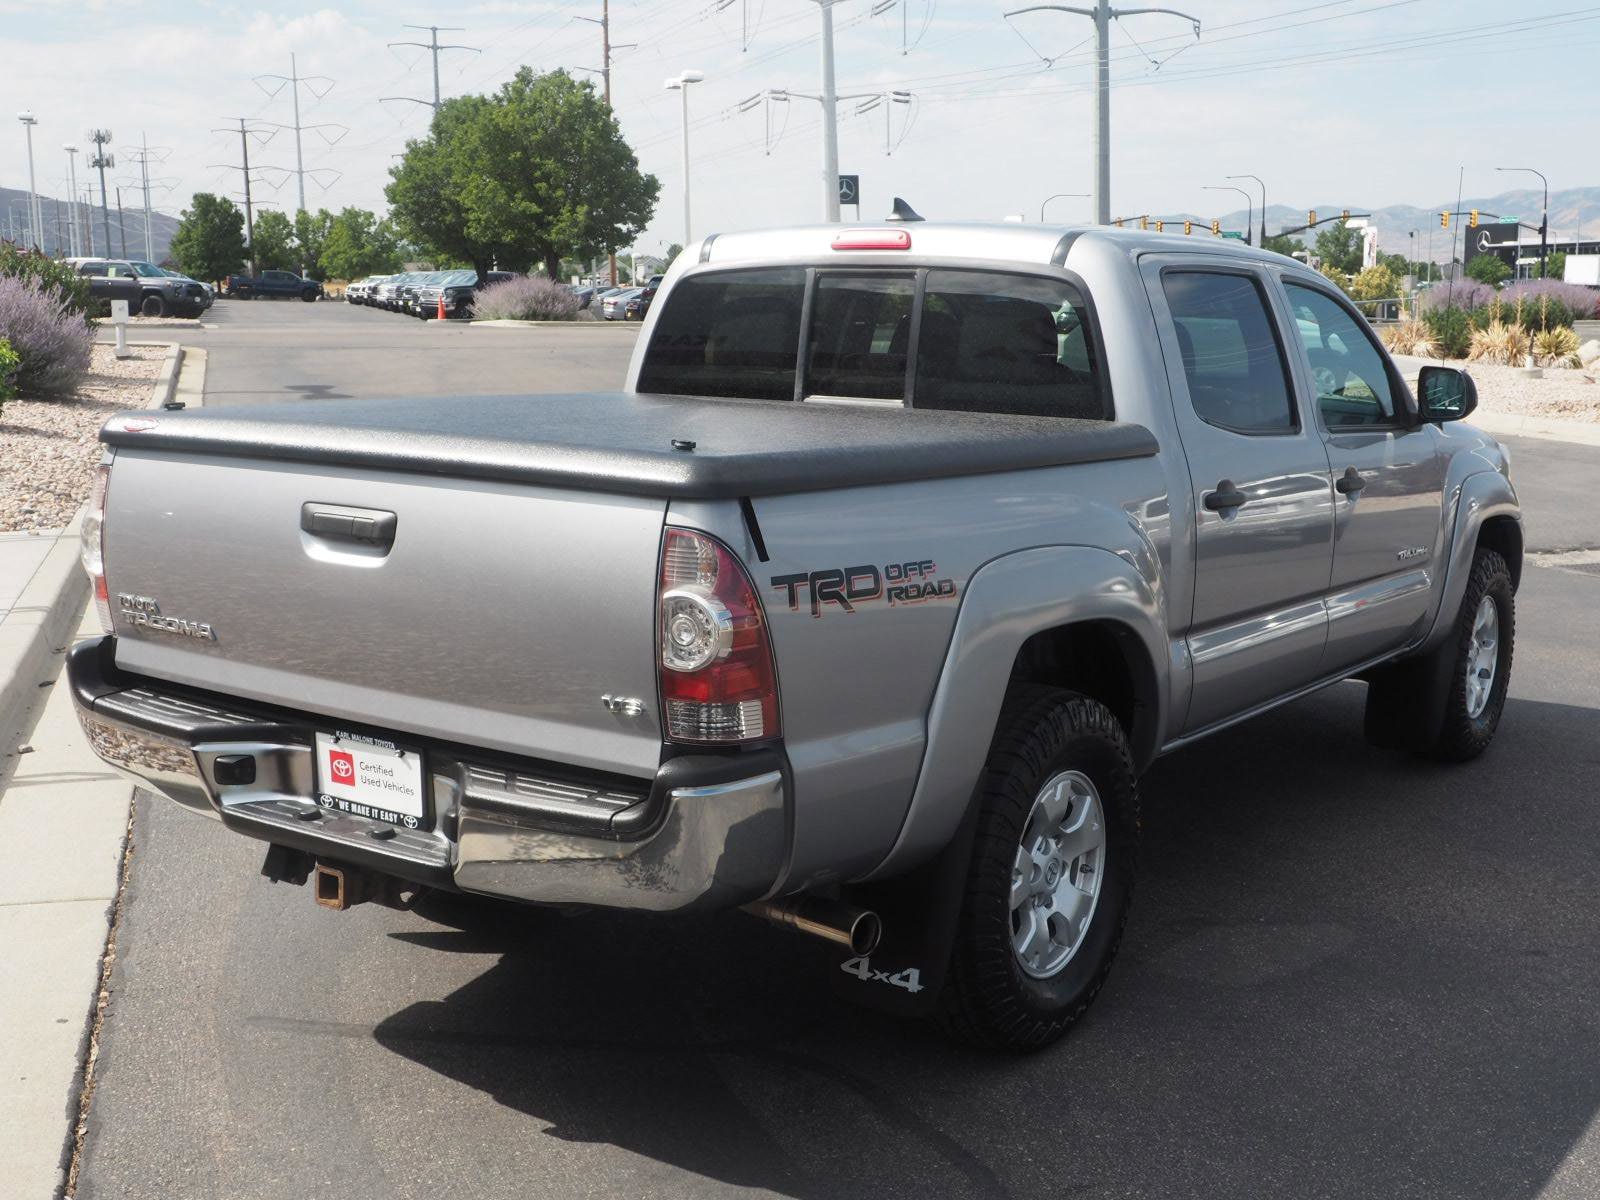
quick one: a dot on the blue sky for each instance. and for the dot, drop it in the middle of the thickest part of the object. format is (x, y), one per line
(1364, 102)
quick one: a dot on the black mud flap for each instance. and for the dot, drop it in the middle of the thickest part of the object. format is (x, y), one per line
(920, 910)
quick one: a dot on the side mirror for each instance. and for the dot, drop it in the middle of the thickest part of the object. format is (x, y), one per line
(1445, 394)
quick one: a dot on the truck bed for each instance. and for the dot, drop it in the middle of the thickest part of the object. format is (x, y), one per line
(623, 443)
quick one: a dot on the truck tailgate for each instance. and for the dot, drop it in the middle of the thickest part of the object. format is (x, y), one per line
(499, 616)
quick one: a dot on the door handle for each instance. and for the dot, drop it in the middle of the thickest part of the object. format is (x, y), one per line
(1350, 482)
(369, 526)
(1226, 498)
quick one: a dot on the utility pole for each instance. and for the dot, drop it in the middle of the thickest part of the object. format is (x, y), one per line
(100, 162)
(28, 122)
(830, 120)
(122, 228)
(144, 155)
(294, 80)
(432, 45)
(72, 193)
(245, 133)
(604, 21)
(1102, 14)
(87, 213)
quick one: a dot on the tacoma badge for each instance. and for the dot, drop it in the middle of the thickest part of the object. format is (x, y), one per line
(143, 610)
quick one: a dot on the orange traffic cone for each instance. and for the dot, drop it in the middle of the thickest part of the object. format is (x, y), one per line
(442, 317)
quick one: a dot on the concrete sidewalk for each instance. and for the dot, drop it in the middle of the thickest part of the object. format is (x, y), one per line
(63, 829)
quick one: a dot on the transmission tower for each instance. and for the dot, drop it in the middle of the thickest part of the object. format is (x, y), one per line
(432, 45)
(295, 81)
(246, 132)
(144, 154)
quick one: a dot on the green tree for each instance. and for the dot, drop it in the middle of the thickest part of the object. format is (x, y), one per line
(1487, 268)
(1281, 243)
(310, 239)
(209, 241)
(1555, 265)
(360, 243)
(1375, 283)
(273, 248)
(1337, 277)
(534, 172)
(1339, 246)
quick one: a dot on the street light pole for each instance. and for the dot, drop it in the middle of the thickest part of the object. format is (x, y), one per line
(28, 122)
(1258, 179)
(830, 120)
(680, 84)
(1249, 207)
(1544, 216)
(1061, 196)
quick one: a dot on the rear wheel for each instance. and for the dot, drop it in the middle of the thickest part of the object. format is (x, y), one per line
(1052, 873)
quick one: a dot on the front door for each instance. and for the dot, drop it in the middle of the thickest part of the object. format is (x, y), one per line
(1259, 486)
(1388, 476)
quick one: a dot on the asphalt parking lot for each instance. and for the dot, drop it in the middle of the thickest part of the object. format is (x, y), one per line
(1348, 973)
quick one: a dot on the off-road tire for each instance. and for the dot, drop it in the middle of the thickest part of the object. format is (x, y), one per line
(1464, 737)
(988, 999)
(152, 306)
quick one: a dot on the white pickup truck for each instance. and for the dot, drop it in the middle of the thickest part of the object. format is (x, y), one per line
(904, 553)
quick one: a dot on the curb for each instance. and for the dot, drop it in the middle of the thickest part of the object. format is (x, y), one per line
(579, 322)
(48, 609)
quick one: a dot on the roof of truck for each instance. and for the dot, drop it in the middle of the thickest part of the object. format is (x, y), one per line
(1013, 241)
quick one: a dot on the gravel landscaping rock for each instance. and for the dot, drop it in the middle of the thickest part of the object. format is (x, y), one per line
(49, 448)
(1569, 393)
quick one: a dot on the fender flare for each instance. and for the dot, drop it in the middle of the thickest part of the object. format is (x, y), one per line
(1483, 496)
(1007, 601)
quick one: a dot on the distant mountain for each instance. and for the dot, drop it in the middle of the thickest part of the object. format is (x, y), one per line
(1573, 212)
(14, 217)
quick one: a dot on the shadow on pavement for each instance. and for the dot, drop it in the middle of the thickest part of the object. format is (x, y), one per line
(1348, 973)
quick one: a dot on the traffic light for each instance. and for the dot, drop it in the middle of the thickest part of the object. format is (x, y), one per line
(1311, 217)
(1216, 227)
(1345, 216)
(1161, 226)
(1444, 220)
(1188, 227)
(1144, 222)
(1118, 222)
(1474, 219)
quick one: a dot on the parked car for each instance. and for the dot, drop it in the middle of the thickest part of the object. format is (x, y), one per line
(210, 293)
(613, 306)
(638, 306)
(873, 640)
(360, 292)
(584, 293)
(149, 290)
(459, 290)
(282, 285)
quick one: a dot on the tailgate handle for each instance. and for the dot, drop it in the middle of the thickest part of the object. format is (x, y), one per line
(369, 526)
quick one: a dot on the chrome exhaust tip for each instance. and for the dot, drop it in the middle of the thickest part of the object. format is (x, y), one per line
(858, 929)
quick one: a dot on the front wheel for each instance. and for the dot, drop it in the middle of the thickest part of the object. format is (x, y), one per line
(309, 295)
(1052, 872)
(153, 306)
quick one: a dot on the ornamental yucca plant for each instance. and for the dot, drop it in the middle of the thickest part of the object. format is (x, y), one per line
(1408, 337)
(1556, 347)
(1500, 342)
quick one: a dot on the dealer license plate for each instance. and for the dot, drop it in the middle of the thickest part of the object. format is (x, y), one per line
(370, 778)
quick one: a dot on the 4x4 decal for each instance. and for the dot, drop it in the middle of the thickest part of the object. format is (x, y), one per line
(895, 583)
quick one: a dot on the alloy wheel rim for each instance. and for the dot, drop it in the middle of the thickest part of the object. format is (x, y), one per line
(1483, 657)
(1057, 874)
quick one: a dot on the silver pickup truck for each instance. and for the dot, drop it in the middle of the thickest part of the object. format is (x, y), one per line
(904, 553)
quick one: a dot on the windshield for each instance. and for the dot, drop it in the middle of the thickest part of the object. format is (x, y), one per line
(148, 270)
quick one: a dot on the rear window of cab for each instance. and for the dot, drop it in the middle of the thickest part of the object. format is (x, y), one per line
(957, 340)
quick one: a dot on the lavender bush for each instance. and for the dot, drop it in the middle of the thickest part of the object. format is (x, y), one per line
(526, 298)
(51, 340)
(1466, 294)
(1575, 298)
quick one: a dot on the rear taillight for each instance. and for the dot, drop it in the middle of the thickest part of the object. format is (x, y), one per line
(717, 679)
(92, 544)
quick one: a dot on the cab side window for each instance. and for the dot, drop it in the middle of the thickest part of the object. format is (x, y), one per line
(1352, 382)
(1237, 375)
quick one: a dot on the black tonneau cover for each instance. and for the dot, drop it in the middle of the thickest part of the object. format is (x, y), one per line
(637, 444)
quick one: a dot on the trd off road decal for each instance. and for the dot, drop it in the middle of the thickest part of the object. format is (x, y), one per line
(896, 583)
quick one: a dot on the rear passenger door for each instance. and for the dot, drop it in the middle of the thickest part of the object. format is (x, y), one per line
(1260, 487)
(1388, 476)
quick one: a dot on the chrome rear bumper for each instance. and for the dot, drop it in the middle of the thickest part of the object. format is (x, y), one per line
(710, 831)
